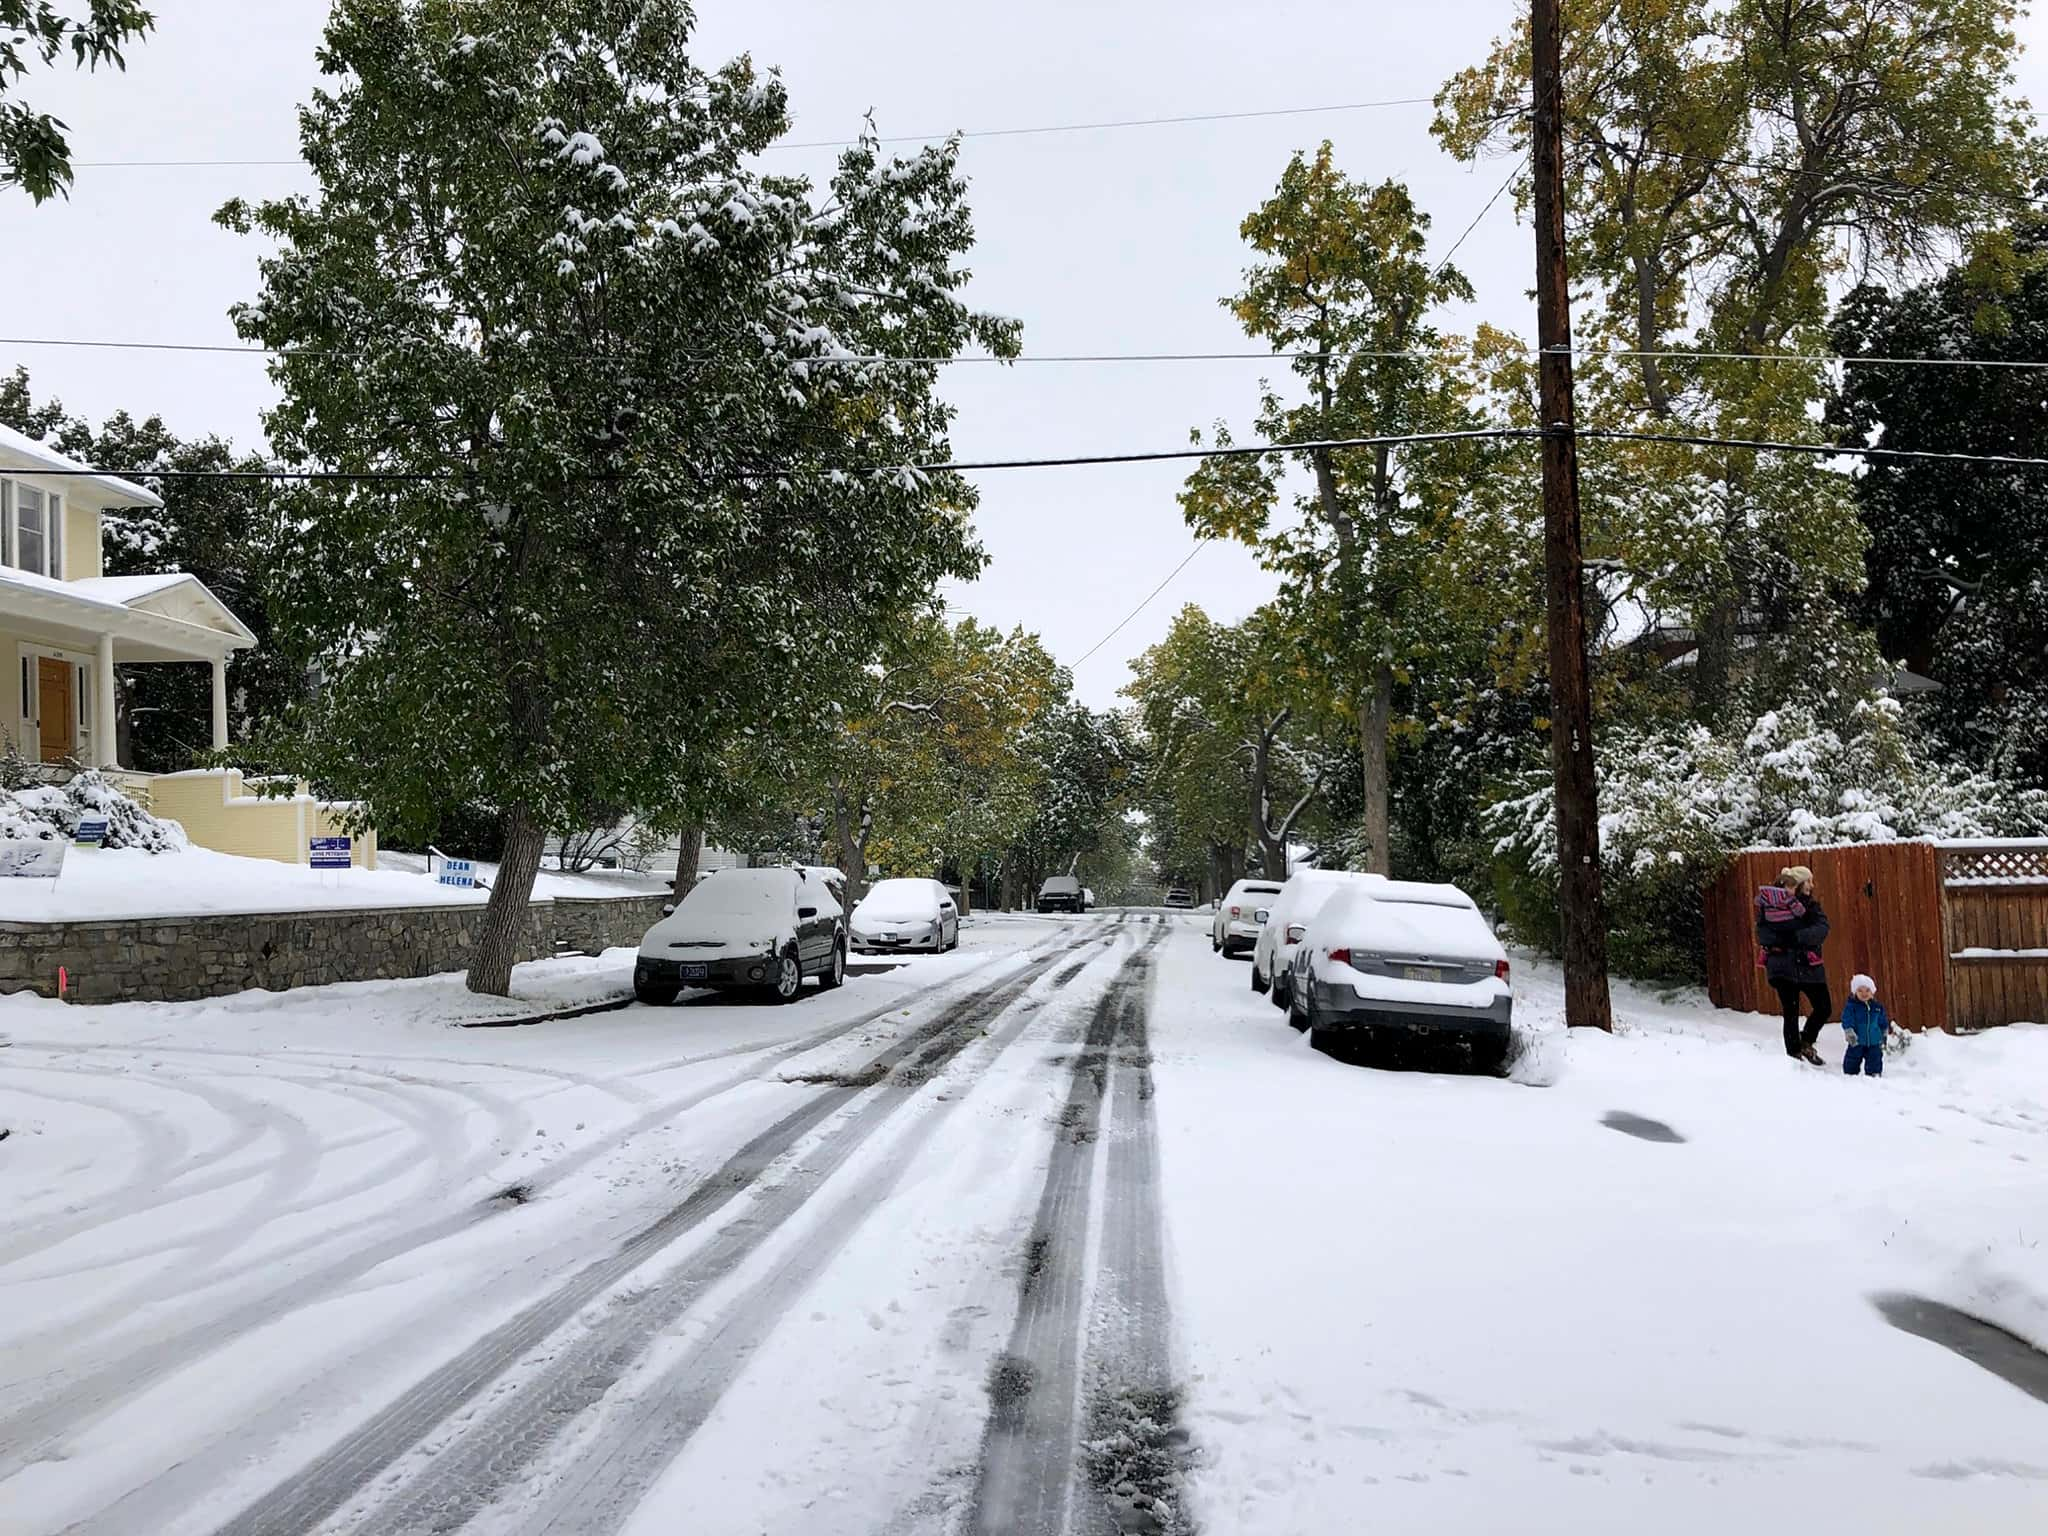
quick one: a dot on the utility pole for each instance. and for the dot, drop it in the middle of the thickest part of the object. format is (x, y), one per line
(1581, 913)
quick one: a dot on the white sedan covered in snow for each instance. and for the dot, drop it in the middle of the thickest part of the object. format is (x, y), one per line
(906, 914)
(1401, 958)
(1301, 897)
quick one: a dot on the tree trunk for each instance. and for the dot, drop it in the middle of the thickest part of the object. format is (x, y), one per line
(1375, 715)
(852, 856)
(509, 916)
(1714, 665)
(689, 852)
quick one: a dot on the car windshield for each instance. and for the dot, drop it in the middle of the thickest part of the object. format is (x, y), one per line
(1062, 885)
(900, 899)
(744, 893)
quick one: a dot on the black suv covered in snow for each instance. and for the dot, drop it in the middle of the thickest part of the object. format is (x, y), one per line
(1062, 893)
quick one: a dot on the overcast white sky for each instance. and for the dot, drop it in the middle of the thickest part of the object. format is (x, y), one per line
(1110, 241)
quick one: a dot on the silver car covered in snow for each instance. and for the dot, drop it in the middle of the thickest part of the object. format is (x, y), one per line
(1401, 958)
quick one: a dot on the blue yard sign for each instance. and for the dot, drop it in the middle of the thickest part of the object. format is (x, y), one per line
(330, 852)
(457, 872)
(92, 832)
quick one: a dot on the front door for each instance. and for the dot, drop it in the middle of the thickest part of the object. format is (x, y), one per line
(56, 708)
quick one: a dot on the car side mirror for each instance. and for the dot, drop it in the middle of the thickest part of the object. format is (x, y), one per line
(668, 909)
(806, 911)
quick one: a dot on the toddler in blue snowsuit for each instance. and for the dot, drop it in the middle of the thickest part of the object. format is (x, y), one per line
(1865, 1022)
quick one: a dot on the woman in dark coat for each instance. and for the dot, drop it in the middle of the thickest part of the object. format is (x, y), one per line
(1792, 960)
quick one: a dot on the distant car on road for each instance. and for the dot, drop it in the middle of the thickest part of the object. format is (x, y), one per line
(1301, 896)
(1239, 915)
(753, 929)
(1180, 896)
(906, 914)
(1398, 957)
(1063, 893)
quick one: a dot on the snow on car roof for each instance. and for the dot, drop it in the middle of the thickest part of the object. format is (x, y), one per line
(1364, 917)
(741, 892)
(1423, 893)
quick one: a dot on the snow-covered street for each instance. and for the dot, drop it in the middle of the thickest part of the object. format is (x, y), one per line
(1064, 1231)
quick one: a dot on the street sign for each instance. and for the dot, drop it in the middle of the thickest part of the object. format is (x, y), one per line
(36, 860)
(330, 852)
(91, 833)
(457, 872)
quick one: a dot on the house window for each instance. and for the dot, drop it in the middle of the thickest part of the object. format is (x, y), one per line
(53, 525)
(31, 538)
(6, 522)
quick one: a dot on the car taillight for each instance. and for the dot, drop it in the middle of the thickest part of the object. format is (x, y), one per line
(1233, 911)
(1341, 956)
(1500, 969)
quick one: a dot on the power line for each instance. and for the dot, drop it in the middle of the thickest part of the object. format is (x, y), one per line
(1098, 645)
(1091, 460)
(1476, 218)
(879, 360)
(1737, 162)
(1818, 450)
(898, 138)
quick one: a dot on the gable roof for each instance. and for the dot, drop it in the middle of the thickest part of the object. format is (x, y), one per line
(40, 456)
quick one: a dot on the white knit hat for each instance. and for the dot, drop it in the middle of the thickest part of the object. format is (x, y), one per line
(1859, 981)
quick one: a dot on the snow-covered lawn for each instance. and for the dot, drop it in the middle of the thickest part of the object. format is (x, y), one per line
(239, 1231)
(124, 882)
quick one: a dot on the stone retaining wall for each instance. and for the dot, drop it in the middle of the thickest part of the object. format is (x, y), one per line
(176, 959)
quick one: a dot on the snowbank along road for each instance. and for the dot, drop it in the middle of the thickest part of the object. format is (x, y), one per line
(1065, 1232)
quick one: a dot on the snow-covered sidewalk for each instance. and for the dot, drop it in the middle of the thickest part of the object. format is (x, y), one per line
(1430, 1302)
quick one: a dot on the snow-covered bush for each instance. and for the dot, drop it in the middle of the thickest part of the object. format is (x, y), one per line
(52, 812)
(1675, 802)
(1685, 795)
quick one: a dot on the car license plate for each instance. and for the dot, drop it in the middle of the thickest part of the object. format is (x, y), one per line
(694, 972)
(888, 938)
(1421, 973)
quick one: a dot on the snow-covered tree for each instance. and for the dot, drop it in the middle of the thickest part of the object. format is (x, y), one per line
(620, 489)
(35, 154)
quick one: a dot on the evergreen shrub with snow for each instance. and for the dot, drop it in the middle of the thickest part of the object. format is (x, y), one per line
(1675, 802)
(52, 812)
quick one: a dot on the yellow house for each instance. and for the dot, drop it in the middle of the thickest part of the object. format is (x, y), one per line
(65, 626)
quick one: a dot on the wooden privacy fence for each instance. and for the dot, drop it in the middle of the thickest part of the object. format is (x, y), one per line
(1955, 933)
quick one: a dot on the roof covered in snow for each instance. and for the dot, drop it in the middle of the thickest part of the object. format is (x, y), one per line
(24, 454)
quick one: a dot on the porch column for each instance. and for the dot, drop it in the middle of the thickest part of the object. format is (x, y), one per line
(105, 744)
(220, 703)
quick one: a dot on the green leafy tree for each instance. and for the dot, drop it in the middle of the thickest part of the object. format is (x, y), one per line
(1958, 556)
(35, 155)
(643, 502)
(1343, 279)
(223, 531)
(1729, 162)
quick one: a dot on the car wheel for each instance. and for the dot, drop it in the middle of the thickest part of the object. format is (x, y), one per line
(1298, 1008)
(1258, 981)
(1215, 944)
(1282, 989)
(656, 994)
(789, 979)
(1490, 1055)
(835, 972)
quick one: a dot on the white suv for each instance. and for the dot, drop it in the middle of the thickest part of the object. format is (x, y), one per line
(1287, 919)
(1239, 915)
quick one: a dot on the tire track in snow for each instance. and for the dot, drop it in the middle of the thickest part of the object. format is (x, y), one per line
(29, 1433)
(482, 1456)
(607, 1478)
(1038, 1424)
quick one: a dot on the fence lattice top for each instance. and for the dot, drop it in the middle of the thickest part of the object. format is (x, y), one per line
(1996, 864)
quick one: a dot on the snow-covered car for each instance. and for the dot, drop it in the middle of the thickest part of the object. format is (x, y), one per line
(1180, 896)
(1398, 957)
(750, 929)
(906, 914)
(1302, 895)
(1062, 893)
(1240, 914)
